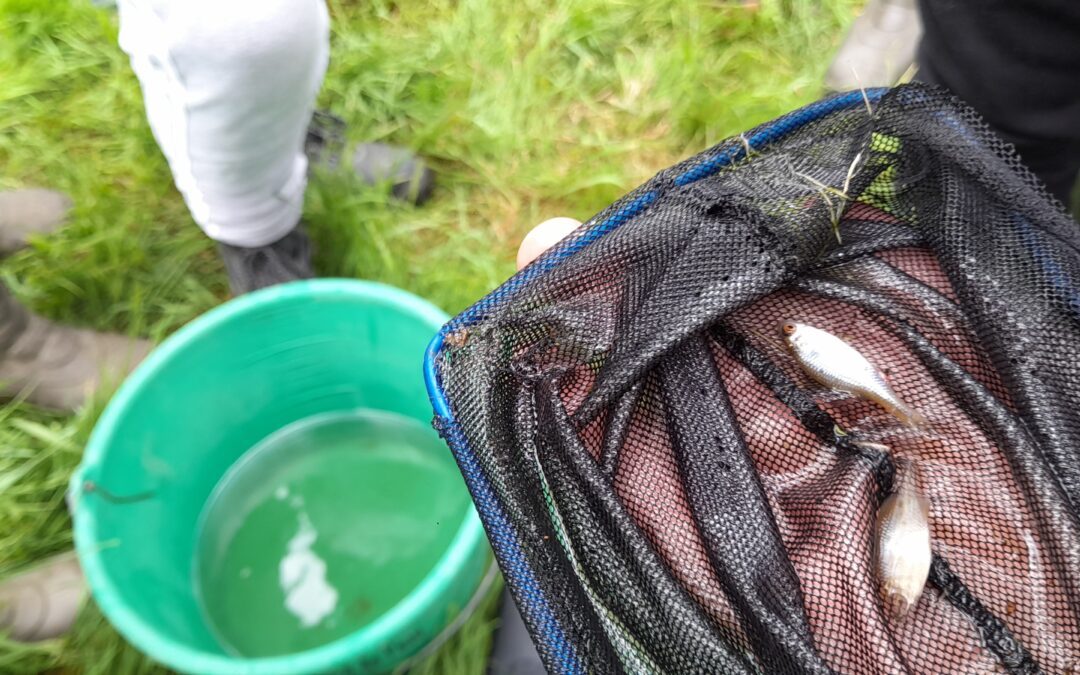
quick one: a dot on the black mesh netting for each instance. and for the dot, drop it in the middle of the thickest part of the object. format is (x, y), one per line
(667, 491)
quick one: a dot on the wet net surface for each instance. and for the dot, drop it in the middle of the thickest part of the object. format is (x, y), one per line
(667, 491)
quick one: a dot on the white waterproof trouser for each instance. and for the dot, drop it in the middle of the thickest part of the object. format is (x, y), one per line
(229, 86)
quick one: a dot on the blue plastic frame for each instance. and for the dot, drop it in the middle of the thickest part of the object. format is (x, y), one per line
(504, 539)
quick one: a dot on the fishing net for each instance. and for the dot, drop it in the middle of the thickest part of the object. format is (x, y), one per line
(667, 491)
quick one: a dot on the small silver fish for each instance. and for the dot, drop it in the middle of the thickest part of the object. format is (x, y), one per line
(903, 542)
(837, 365)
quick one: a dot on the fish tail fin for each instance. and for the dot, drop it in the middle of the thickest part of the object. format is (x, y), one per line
(896, 605)
(914, 419)
(906, 414)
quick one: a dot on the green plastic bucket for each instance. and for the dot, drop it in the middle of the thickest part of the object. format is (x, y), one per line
(212, 391)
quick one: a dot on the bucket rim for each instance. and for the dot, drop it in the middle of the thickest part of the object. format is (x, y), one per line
(467, 544)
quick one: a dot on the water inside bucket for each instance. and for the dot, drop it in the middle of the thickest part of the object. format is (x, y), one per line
(322, 527)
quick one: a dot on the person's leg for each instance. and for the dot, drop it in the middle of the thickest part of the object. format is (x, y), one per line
(229, 89)
(1018, 65)
(52, 365)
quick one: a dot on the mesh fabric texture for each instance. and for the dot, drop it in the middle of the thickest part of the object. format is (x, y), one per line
(664, 488)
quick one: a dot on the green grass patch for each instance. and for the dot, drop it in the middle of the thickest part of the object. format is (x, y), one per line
(526, 110)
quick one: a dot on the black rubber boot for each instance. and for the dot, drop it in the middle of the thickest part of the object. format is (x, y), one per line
(287, 259)
(410, 180)
(402, 170)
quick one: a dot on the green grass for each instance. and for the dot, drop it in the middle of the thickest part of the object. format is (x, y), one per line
(527, 110)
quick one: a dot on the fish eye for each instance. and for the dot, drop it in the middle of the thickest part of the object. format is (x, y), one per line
(789, 328)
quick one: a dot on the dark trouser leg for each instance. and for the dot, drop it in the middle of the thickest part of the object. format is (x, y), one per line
(1018, 65)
